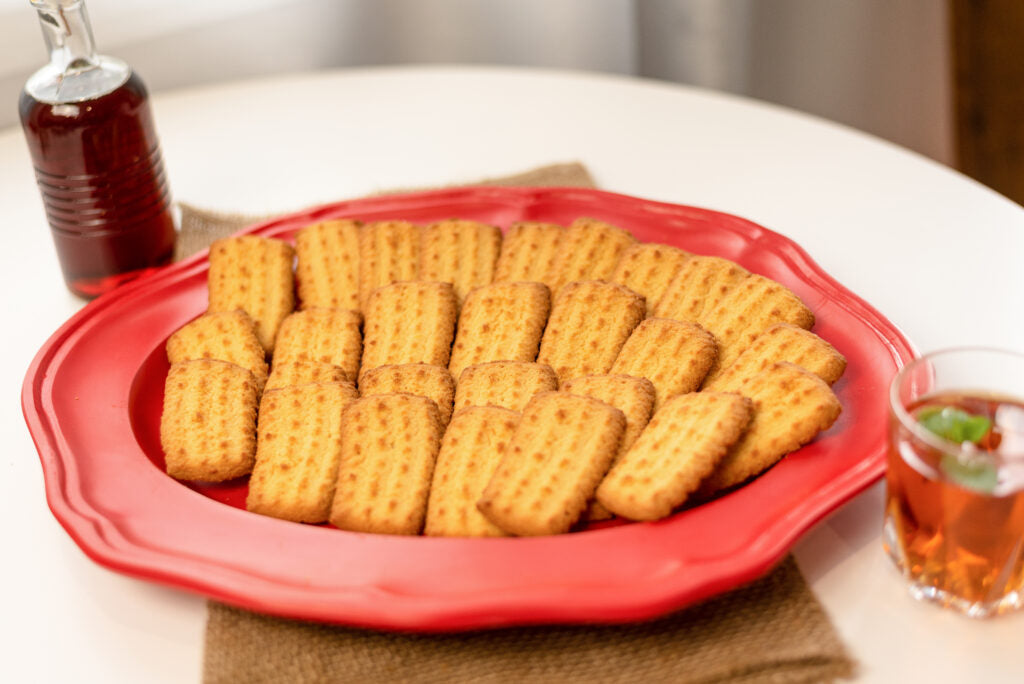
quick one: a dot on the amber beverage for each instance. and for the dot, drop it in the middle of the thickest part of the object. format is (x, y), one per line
(97, 159)
(954, 517)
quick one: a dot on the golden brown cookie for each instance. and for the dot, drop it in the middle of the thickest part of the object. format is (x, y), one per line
(389, 252)
(528, 252)
(208, 425)
(253, 274)
(411, 322)
(433, 382)
(225, 336)
(560, 450)
(459, 252)
(505, 384)
(291, 373)
(500, 322)
(688, 436)
(791, 406)
(589, 323)
(297, 451)
(699, 284)
(326, 335)
(673, 355)
(389, 444)
(470, 451)
(589, 250)
(327, 270)
(647, 268)
(782, 342)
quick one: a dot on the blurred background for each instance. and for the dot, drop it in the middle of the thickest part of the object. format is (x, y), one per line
(887, 67)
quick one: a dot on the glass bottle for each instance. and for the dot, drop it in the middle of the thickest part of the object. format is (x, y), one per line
(97, 159)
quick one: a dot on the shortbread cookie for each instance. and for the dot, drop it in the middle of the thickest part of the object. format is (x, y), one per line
(589, 250)
(208, 425)
(225, 336)
(688, 436)
(327, 270)
(500, 322)
(782, 342)
(647, 269)
(433, 382)
(253, 274)
(528, 252)
(389, 252)
(699, 284)
(470, 451)
(505, 384)
(459, 252)
(291, 373)
(297, 451)
(791, 406)
(748, 309)
(389, 444)
(673, 355)
(560, 450)
(326, 335)
(590, 321)
(411, 322)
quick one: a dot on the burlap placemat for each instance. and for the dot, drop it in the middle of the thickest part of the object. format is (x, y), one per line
(771, 631)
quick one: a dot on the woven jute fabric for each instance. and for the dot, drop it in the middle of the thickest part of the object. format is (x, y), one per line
(770, 631)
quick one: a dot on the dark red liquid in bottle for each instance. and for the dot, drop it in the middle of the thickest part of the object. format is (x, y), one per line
(101, 176)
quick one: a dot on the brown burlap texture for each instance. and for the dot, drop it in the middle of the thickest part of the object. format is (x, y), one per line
(771, 631)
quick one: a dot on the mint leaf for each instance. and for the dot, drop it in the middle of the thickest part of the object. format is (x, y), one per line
(954, 424)
(979, 476)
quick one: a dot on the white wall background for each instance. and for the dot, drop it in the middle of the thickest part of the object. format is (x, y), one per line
(878, 65)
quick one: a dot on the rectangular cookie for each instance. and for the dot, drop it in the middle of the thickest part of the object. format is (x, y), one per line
(253, 274)
(500, 322)
(298, 447)
(528, 252)
(463, 253)
(560, 450)
(589, 250)
(326, 335)
(208, 424)
(433, 382)
(688, 436)
(327, 270)
(505, 384)
(411, 322)
(305, 372)
(389, 252)
(225, 336)
(470, 451)
(699, 284)
(589, 323)
(673, 355)
(781, 342)
(647, 268)
(389, 443)
(791, 406)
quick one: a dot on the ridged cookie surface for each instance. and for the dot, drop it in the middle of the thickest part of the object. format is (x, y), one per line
(389, 444)
(297, 451)
(459, 252)
(208, 425)
(698, 285)
(648, 268)
(470, 451)
(326, 335)
(411, 322)
(433, 382)
(225, 336)
(528, 252)
(500, 322)
(560, 450)
(389, 252)
(291, 373)
(688, 436)
(589, 250)
(589, 323)
(327, 271)
(253, 274)
(505, 384)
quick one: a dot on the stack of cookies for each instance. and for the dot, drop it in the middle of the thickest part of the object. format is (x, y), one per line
(449, 380)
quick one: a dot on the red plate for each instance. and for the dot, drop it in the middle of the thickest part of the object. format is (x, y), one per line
(92, 401)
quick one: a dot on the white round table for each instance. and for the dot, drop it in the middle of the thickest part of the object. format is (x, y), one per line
(936, 253)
